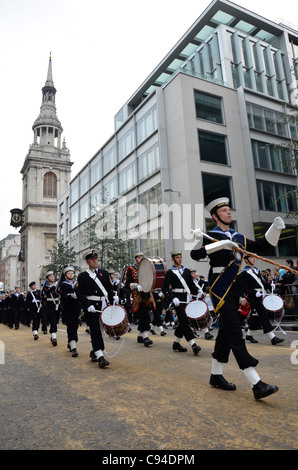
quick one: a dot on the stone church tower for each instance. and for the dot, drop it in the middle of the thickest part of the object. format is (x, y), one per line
(46, 175)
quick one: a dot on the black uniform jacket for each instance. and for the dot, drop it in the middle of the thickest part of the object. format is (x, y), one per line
(171, 281)
(86, 286)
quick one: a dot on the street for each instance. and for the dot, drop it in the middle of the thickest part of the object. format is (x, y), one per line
(149, 398)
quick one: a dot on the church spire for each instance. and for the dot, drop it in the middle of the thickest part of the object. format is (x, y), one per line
(47, 127)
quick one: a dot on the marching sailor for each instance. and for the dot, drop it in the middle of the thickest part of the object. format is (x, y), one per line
(94, 292)
(255, 288)
(51, 304)
(70, 308)
(33, 305)
(178, 286)
(202, 286)
(225, 290)
(142, 301)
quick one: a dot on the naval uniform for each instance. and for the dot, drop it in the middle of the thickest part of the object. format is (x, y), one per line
(172, 287)
(50, 303)
(249, 277)
(70, 309)
(225, 290)
(33, 306)
(89, 293)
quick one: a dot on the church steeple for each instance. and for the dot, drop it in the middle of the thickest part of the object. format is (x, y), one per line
(47, 127)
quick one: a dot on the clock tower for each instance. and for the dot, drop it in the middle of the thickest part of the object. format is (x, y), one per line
(46, 175)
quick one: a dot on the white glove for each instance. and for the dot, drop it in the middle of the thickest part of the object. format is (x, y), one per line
(116, 299)
(160, 294)
(278, 223)
(221, 245)
(74, 295)
(91, 309)
(197, 233)
(258, 294)
(133, 285)
(176, 302)
(140, 288)
(273, 233)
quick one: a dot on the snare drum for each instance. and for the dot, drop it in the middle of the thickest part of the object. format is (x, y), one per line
(114, 320)
(273, 303)
(151, 273)
(198, 315)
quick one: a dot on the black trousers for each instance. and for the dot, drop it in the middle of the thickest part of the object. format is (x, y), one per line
(229, 337)
(183, 328)
(144, 317)
(93, 321)
(257, 305)
(51, 316)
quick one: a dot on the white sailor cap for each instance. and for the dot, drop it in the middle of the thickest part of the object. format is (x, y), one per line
(139, 253)
(89, 254)
(176, 253)
(49, 273)
(217, 203)
(68, 268)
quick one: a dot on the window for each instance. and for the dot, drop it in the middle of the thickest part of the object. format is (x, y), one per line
(95, 172)
(50, 185)
(208, 107)
(146, 125)
(215, 186)
(126, 144)
(213, 148)
(127, 178)
(148, 162)
(109, 160)
(276, 197)
(270, 157)
(74, 191)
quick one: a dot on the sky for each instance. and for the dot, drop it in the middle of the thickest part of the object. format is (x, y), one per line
(101, 53)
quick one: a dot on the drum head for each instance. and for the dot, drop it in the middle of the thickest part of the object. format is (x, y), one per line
(196, 308)
(273, 303)
(146, 274)
(112, 315)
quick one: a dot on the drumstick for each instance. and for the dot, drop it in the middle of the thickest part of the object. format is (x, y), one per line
(255, 255)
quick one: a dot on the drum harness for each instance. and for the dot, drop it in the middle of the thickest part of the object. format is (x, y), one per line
(183, 282)
(253, 274)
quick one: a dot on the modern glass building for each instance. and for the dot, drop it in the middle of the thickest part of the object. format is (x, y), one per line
(208, 121)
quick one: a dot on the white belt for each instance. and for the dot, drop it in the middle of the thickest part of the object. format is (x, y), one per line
(95, 298)
(53, 300)
(179, 290)
(218, 269)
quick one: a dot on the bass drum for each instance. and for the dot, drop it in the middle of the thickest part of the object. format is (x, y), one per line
(114, 320)
(198, 315)
(151, 273)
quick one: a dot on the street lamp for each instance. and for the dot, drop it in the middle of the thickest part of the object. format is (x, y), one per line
(171, 191)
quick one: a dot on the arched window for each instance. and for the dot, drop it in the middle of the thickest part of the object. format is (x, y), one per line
(50, 185)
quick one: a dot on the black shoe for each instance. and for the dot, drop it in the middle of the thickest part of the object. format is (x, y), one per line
(208, 335)
(140, 339)
(147, 342)
(93, 356)
(74, 352)
(262, 390)
(178, 347)
(54, 341)
(219, 381)
(102, 362)
(152, 332)
(35, 337)
(196, 349)
(163, 333)
(277, 340)
(251, 339)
